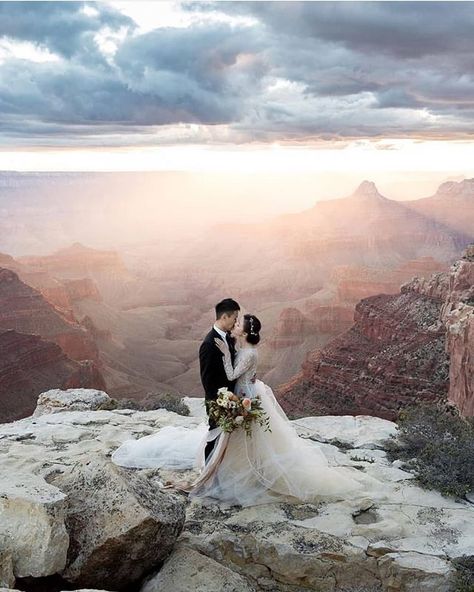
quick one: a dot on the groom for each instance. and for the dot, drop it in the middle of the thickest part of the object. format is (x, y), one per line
(213, 376)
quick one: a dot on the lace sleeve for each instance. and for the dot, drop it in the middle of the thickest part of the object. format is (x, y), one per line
(244, 363)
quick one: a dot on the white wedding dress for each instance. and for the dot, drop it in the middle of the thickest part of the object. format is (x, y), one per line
(265, 467)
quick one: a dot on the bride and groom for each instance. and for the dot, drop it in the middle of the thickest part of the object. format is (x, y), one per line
(237, 468)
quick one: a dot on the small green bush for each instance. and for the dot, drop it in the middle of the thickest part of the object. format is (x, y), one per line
(126, 404)
(165, 401)
(438, 446)
(464, 578)
(154, 401)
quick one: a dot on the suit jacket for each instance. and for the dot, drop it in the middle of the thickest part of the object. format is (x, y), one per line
(213, 376)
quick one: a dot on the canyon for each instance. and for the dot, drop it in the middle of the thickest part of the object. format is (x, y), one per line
(402, 349)
(138, 311)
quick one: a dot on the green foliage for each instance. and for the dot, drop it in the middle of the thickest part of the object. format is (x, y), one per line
(155, 401)
(438, 446)
(165, 401)
(464, 579)
(362, 459)
(126, 404)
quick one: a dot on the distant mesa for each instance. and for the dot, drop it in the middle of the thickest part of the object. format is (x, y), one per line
(77, 259)
(463, 188)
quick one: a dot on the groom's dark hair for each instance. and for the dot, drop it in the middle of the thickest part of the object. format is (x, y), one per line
(226, 306)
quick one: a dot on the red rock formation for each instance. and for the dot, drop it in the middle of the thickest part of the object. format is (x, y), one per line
(90, 326)
(84, 273)
(332, 319)
(398, 351)
(30, 365)
(366, 228)
(458, 316)
(354, 282)
(25, 310)
(82, 289)
(60, 293)
(294, 326)
(393, 355)
(8, 261)
(291, 329)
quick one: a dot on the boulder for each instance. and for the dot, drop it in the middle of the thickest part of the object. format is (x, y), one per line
(413, 572)
(57, 400)
(120, 523)
(32, 528)
(123, 526)
(187, 569)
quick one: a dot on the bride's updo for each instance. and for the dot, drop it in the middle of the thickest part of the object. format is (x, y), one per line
(252, 327)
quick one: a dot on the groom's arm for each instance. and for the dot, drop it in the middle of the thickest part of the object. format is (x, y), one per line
(206, 354)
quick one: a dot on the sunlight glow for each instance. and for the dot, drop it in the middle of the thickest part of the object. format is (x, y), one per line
(384, 155)
(24, 50)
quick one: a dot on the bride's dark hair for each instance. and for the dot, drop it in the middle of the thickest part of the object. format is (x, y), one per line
(252, 326)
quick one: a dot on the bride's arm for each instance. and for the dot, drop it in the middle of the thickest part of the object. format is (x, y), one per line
(244, 363)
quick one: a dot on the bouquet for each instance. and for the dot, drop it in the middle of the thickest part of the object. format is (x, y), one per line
(231, 412)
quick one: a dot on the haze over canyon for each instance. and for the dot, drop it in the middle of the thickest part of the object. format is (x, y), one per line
(130, 318)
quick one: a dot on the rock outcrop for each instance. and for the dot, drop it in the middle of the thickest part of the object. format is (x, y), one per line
(33, 524)
(123, 527)
(402, 349)
(126, 529)
(392, 356)
(355, 283)
(458, 316)
(66, 509)
(63, 294)
(74, 399)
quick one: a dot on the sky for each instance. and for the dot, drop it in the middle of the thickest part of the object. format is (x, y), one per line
(244, 87)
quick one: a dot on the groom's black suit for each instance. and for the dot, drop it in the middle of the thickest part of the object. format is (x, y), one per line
(213, 376)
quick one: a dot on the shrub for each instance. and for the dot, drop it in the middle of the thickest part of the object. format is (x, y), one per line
(154, 401)
(438, 445)
(126, 404)
(464, 578)
(165, 401)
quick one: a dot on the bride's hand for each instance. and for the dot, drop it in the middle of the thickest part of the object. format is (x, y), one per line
(222, 345)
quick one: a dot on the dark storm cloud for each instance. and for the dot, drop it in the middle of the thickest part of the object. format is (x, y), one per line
(402, 29)
(294, 71)
(162, 77)
(201, 71)
(409, 57)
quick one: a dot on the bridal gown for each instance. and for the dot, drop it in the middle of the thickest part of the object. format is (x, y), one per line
(244, 470)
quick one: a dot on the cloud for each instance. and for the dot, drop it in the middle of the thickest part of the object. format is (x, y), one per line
(294, 71)
(65, 28)
(403, 30)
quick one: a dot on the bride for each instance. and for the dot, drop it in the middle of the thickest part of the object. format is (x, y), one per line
(245, 470)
